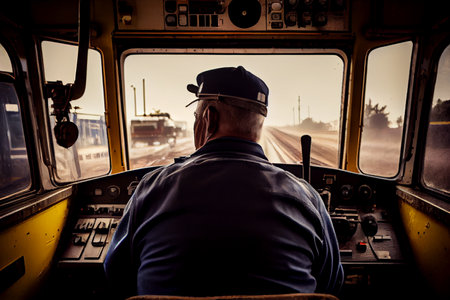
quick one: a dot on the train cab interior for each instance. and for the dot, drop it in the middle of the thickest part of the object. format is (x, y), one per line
(93, 96)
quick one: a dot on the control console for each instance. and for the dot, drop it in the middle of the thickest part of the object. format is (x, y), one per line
(91, 234)
(359, 207)
(366, 237)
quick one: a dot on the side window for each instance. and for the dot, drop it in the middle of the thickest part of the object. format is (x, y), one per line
(5, 62)
(89, 156)
(15, 169)
(436, 164)
(385, 98)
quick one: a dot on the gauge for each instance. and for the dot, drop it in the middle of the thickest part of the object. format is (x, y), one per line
(365, 192)
(346, 192)
(113, 191)
(244, 13)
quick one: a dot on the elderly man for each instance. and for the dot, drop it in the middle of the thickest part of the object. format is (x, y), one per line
(225, 221)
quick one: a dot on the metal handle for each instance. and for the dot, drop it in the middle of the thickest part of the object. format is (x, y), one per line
(306, 157)
(84, 15)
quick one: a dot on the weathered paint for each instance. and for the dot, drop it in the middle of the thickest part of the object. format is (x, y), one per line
(36, 239)
(430, 244)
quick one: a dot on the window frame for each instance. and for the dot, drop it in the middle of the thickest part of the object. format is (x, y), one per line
(47, 113)
(223, 50)
(406, 115)
(425, 121)
(17, 79)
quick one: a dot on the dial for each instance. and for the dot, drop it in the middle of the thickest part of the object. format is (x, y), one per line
(346, 192)
(365, 193)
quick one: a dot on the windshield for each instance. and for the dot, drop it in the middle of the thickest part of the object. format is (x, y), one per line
(305, 96)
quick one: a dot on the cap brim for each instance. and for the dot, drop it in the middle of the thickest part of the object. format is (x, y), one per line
(193, 102)
(192, 88)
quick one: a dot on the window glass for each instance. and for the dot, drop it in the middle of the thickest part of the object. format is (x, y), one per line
(5, 62)
(305, 95)
(384, 109)
(14, 164)
(436, 171)
(89, 156)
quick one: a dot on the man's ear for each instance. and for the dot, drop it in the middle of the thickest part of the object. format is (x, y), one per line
(212, 120)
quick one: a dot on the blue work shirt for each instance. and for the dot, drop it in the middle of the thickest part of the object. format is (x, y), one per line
(225, 221)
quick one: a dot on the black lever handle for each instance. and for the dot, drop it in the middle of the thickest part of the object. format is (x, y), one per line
(84, 15)
(306, 156)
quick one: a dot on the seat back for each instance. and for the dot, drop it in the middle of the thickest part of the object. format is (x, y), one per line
(243, 297)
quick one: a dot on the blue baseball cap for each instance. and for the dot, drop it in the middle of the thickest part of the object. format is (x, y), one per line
(233, 86)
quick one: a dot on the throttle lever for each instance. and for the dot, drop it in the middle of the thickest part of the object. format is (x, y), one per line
(306, 157)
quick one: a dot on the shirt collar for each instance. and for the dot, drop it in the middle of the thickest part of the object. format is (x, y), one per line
(231, 144)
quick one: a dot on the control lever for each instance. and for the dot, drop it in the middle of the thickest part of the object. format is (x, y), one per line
(306, 157)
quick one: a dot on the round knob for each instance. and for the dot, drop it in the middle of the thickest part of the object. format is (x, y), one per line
(344, 228)
(346, 192)
(365, 192)
(369, 225)
(276, 6)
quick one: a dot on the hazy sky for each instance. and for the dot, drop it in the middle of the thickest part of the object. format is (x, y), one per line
(60, 64)
(5, 63)
(388, 71)
(442, 87)
(317, 79)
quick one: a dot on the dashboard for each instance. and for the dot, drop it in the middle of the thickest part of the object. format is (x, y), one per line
(371, 241)
(359, 206)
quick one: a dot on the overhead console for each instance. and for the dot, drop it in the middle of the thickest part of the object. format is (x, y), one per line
(233, 15)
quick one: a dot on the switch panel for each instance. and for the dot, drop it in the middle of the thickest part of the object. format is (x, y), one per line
(91, 235)
(233, 15)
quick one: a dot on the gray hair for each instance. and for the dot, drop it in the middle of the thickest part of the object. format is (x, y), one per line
(240, 121)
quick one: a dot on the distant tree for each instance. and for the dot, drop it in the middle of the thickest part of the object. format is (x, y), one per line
(309, 123)
(441, 111)
(375, 117)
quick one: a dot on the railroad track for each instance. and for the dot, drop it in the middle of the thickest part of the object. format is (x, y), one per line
(287, 148)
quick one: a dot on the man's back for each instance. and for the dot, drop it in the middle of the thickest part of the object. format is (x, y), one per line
(226, 221)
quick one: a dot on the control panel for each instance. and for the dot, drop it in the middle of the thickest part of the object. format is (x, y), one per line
(233, 15)
(91, 234)
(366, 237)
(359, 207)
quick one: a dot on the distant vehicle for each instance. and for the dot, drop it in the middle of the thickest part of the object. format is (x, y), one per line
(181, 128)
(154, 128)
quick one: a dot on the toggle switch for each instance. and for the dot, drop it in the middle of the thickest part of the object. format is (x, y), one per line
(99, 240)
(78, 240)
(102, 228)
(361, 246)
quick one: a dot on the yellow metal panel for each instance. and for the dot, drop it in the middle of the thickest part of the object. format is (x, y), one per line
(430, 243)
(103, 14)
(36, 240)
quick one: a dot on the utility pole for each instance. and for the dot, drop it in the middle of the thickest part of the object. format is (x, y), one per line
(293, 115)
(135, 108)
(143, 93)
(299, 120)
